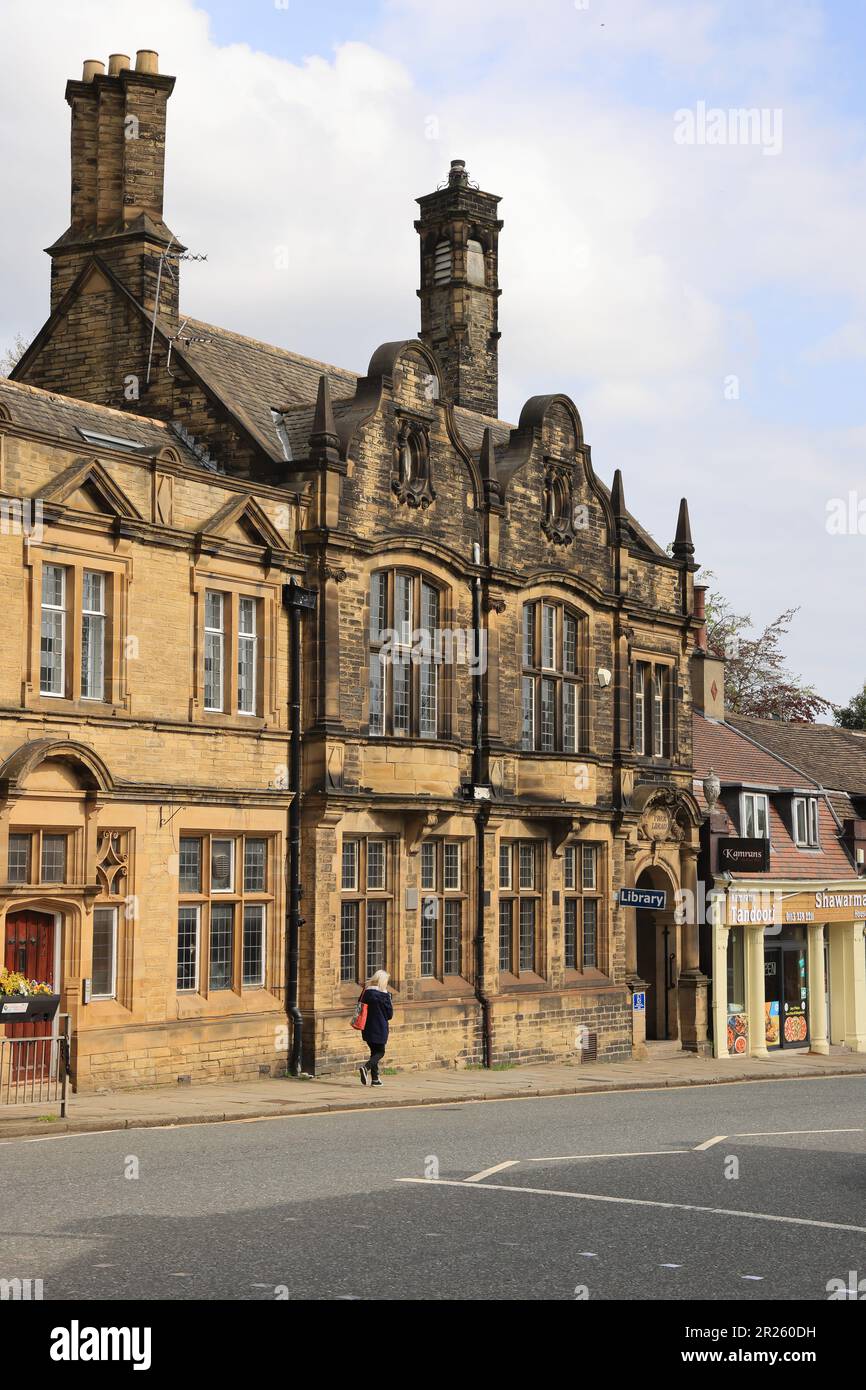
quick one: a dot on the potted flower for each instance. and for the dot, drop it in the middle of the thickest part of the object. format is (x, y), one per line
(23, 1000)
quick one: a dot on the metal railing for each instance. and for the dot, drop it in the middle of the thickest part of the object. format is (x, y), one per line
(35, 1070)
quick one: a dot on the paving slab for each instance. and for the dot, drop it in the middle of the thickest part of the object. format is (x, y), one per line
(262, 1098)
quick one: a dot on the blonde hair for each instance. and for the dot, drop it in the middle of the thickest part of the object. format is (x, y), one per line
(379, 980)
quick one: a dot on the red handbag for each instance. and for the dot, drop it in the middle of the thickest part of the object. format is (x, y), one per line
(359, 1017)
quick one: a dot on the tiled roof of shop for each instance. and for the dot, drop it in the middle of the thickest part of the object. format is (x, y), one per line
(834, 757)
(736, 759)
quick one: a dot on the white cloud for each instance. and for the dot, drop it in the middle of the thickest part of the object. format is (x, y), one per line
(628, 263)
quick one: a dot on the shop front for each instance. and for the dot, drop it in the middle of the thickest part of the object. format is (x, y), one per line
(789, 968)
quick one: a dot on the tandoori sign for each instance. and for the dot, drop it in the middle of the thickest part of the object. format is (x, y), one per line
(776, 907)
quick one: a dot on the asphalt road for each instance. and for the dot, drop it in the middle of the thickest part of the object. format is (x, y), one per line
(604, 1197)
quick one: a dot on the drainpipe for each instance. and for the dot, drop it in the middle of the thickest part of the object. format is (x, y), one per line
(295, 600)
(482, 814)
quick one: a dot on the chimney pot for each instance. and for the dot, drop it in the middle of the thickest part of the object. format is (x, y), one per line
(117, 63)
(147, 60)
(92, 68)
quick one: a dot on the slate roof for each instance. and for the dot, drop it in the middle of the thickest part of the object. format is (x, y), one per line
(834, 757)
(63, 417)
(254, 378)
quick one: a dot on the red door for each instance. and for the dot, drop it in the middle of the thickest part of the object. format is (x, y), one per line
(30, 950)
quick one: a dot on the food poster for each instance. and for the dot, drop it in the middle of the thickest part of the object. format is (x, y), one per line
(738, 1034)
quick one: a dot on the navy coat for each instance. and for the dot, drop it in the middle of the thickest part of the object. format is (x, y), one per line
(379, 1011)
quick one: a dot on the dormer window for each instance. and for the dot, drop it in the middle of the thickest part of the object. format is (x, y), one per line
(806, 821)
(755, 816)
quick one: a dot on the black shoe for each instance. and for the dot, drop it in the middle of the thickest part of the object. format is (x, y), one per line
(377, 1082)
(362, 1072)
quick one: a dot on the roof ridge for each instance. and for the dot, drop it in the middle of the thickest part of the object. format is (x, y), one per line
(273, 348)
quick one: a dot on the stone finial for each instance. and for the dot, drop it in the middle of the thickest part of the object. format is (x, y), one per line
(683, 547)
(324, 440)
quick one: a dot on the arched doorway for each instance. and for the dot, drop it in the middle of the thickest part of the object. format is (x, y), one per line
(658, 957)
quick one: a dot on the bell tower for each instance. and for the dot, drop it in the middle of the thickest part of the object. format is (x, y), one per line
(459, 231)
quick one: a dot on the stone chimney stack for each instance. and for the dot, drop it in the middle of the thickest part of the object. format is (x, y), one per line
(118, 165)
(459, 230)
(707, 672)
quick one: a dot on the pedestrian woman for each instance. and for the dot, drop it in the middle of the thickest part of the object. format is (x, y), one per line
(379, 1010)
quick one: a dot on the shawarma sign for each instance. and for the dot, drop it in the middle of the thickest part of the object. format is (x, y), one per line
(774, 907)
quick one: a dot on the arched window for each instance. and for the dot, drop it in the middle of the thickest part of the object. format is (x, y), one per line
(405, 655)
(475, 272)
(552, 678)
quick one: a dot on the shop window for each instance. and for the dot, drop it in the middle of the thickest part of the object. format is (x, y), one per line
(582, 906)
(520, 913)
(406, 657)
(755, 816)
(225, 906)
(806, 821)
(551, 683)
(443, 907)
(366, 879)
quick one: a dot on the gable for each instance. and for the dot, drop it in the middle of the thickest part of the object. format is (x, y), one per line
(87, 486)
(243, 521)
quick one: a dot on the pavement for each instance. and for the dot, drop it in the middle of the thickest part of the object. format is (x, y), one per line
(211, 1102)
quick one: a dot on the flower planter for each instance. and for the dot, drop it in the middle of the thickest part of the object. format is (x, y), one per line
(28, 1008)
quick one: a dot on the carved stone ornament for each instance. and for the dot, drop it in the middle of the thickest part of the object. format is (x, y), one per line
(558, 521)
(411, 480)
(111, 862)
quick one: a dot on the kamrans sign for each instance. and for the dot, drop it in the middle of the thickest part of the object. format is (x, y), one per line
(775, 907)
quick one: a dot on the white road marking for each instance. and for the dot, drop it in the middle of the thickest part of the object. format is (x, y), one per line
(773, 1133)
(708, 1143)
(487, 1172)
(570, 1158)
(642, 1202)
(590, 1254)
(670, 1266)
(758, 1278)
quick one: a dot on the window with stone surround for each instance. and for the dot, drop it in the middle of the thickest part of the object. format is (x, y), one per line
(231, 653)
(366, 906)
(225, 911)
(40, 856)
(443, 918)
(408, 674)
(652, 692)
(520, 907)
(581, 879)
(74, 641)
(552, 679)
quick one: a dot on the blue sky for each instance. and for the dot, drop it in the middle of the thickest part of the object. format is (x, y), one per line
(638, 275)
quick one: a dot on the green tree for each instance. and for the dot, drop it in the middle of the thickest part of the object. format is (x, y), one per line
(852, 715)
(757, 680)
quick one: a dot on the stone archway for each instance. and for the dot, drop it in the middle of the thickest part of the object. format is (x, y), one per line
(659, 957)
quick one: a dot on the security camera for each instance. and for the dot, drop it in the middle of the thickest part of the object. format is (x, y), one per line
(603, 676)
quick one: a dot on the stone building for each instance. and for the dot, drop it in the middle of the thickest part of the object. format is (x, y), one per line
(495, 698)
